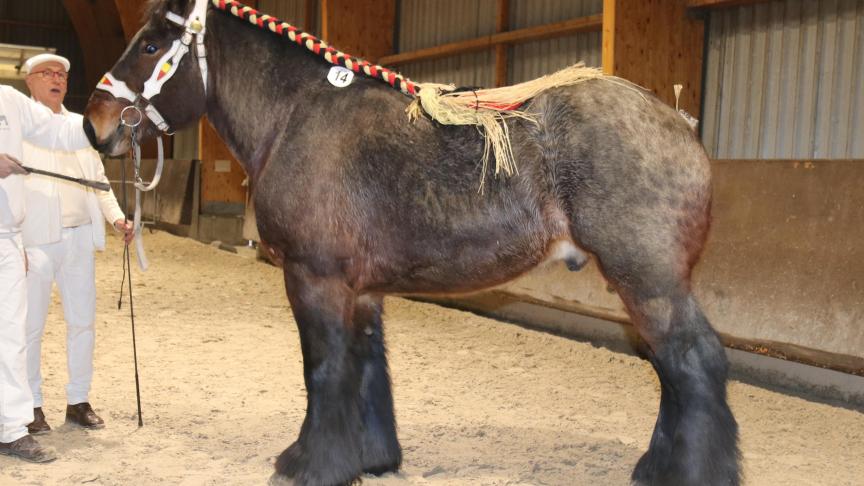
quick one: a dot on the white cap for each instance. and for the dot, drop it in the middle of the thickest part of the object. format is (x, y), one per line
(43, 58)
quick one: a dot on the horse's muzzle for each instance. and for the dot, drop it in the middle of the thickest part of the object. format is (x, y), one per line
(102, 123)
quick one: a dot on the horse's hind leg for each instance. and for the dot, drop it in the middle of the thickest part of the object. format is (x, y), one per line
(695, 438)
(328, 449)
(381, 450)
(648, 261)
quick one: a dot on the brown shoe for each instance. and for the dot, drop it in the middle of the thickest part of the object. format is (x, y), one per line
(28, 449)
(38, 426)
(82, 414)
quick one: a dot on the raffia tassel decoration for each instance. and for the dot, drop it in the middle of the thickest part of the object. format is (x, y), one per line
(490, 109)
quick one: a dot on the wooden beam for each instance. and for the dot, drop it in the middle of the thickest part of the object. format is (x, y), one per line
(502, 24)
(591, 23)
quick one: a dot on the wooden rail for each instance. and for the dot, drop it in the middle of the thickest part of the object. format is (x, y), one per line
(593, 23)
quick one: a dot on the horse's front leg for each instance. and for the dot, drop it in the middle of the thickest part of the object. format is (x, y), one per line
(381, 450)
(328, 450)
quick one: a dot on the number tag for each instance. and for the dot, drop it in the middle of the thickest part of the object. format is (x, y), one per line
(340, 76)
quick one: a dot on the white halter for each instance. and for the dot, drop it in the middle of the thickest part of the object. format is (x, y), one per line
(167, 64)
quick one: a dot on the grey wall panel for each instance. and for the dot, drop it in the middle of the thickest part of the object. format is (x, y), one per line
(785, 80)
(530, 13)
(535, 59)
(426, 23)
(473, 69)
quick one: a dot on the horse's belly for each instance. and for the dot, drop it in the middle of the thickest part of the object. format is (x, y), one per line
(472, 269)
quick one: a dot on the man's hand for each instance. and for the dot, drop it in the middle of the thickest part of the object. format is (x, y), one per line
(9, 165)
(126, 228)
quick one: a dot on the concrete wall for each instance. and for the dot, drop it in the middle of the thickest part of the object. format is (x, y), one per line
(783, 269)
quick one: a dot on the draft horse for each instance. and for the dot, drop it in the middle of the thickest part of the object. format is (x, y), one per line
(357, 203)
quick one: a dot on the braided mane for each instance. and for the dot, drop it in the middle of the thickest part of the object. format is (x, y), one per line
(317, 46)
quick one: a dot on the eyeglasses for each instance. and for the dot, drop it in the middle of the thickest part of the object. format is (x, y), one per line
(48, 74)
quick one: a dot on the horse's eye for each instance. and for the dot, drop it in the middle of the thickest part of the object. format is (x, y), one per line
(151, 49)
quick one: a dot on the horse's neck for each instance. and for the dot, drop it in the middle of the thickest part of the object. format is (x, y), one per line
(251, 103)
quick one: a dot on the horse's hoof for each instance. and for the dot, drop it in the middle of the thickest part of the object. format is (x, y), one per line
(277, 479)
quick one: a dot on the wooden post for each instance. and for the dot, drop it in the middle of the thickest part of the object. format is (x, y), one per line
(310, 14)
(222, 175)
(608, 43)
(362, 28)
(655, 44)
(502, 24)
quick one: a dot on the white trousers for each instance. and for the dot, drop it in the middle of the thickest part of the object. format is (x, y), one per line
(69, 262)
(16, 403)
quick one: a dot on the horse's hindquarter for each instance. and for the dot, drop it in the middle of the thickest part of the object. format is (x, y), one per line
(628, 171)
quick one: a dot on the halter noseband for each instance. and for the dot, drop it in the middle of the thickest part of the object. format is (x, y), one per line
(167, 65)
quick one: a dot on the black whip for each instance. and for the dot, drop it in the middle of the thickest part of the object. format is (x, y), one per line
(102, 186)
(127, 269)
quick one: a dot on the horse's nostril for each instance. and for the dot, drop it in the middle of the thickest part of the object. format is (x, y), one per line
(91, 133)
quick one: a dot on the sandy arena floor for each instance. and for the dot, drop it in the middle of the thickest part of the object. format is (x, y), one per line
(478, 402)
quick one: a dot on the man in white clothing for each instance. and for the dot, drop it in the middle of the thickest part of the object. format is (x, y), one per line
(21, 119)
(62, 229)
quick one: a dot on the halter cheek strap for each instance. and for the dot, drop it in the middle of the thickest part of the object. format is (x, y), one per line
(167, 64)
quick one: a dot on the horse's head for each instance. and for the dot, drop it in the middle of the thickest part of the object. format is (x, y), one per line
(158, 84)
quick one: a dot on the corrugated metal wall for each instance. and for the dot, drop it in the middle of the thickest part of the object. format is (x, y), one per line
(45, 23)
(785, 80)
(534, 59)
(424, 24)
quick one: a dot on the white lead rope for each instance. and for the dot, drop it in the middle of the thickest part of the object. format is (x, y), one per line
(140, 189)
(140, 186)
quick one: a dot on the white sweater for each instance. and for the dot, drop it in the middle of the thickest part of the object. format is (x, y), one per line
(23, 119)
